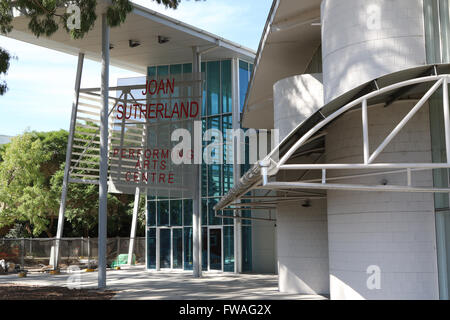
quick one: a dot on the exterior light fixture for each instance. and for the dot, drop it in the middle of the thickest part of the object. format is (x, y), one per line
(111, 46)
(134, 43)
(162, 39)
(306, 204)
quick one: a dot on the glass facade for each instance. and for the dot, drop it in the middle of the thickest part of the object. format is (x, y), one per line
(216, 179)
(437, 30)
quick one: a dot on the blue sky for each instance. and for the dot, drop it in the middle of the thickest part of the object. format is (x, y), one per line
(41, 81)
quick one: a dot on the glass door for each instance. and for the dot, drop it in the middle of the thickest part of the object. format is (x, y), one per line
(164, 248)
(177, 248)
(215, 248)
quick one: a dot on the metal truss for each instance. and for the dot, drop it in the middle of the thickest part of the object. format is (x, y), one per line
(270, 167)
(266, 173)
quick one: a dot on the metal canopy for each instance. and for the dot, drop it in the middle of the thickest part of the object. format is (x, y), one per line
(416, 84)
(143, 25)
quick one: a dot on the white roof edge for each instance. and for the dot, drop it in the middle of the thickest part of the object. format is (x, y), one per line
(200, 33)
(262, 43)
(58, 46)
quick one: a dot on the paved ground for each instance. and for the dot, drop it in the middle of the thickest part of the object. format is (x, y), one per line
(136, 283)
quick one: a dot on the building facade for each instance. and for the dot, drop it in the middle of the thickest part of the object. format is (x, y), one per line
(169, 220)
(358, 90)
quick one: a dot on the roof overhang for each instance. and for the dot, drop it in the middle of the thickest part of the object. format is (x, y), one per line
(376, 91)
(143, 25)
(289, 41)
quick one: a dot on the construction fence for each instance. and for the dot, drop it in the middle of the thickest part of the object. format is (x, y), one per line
(35, 253)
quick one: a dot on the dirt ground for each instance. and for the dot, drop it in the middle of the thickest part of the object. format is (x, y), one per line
(29, 292)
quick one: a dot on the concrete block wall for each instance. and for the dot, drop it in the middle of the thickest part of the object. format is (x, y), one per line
(363, 40)
(296, 99)
(394, 231)
(264, 243)
(302, 248)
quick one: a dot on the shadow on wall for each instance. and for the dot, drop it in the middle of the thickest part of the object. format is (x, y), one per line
(368, 39)
(296, 99)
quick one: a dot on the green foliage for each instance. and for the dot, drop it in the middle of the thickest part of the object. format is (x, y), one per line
(5, 58)
(31, 176)
(24, 192)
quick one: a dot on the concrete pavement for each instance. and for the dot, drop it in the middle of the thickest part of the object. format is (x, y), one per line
(136, 283)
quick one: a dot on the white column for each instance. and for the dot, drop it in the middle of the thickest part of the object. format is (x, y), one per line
(236, 118)
(133, 226)
(103, 182)
(196, 199)
(65, 186)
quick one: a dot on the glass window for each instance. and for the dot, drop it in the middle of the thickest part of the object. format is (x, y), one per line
(212, 219)
(215, 249)
(187, 207)
(187, 248)
(176, 69)
(213, 87)
(151, 248)
(204, 248)
(437, 30)
(204, 212)
(204, 180)
(227, 98)
(177, 248)
(187, 68)
(203, 69)
(163, 212)
(163, 71)
(151, 213)
(228, 249)
(214, 180)
(151, 71)
(243, 82)
(164, 248)
(246, 248)
(175, 213)
(441, 201)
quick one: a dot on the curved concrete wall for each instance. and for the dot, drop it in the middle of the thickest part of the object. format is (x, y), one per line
(295, 99)
(394, 231)
(363, 40)
(302, 248)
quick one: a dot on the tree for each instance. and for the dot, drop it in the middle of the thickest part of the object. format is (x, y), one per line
(47, 16)
(31, 175)
(24, 191)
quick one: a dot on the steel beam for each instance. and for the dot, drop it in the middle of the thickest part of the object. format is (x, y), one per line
(103, 181)
(133, 226)
(65, 186)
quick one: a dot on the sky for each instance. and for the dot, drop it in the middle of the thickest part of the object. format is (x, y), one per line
(41, 81)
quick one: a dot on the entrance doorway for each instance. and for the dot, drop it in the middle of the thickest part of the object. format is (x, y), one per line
(170, 248)
(215, 249)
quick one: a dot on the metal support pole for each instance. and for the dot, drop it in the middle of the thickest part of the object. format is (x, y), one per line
(446, 118)
(133, 225)
(236, 163)
(89, 251)
(65, 186)
(365, 125)
(103, 181)
(22, 255)
(196, 203)
(405, 120)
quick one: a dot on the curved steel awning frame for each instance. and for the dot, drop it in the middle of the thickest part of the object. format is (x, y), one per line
(262, 175)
